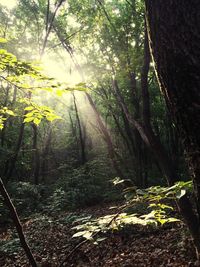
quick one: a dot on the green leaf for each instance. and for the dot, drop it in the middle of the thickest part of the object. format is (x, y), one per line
(3, 40)
(37, 121)
(29, 108)
(30, 114)
(29, 119)
(10, 112)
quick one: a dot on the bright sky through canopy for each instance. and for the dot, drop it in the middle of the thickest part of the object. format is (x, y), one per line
(61, 70)
(8, 3)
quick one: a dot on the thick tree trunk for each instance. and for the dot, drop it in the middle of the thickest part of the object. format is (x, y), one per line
(16, 220)
(174, 36)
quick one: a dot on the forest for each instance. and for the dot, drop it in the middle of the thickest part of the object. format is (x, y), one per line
(99, 133)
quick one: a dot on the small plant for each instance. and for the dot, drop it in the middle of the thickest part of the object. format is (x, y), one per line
(153, 197)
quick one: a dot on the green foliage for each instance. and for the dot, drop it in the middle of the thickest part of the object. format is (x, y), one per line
(90, 227)
(153, 197)
(156, 198)
(11, 246)
(14, 68)
(57, 201)
(81, 187)
(35, 113)
(26, 196)
(156, 193)
(22, 75)
(3, 40)
(4, 114)
(78, 190)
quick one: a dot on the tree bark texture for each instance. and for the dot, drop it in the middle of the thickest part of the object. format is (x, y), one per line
(174, 37)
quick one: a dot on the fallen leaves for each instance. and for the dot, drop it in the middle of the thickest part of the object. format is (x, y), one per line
(51, 240)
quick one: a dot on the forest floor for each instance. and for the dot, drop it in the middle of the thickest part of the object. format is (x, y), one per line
(50, 238)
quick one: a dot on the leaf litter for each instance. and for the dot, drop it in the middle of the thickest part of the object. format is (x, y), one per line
(50, 238)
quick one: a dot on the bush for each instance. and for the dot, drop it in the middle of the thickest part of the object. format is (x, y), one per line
(25, 196)
(81, 187)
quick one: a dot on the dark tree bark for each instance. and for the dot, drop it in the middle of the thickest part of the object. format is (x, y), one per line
(7, 90)
(174, 36)
(45, 154)
(13, 159)
(8, 202)
(138, 140)
(36, 155)
(83, 158)
(153, 142)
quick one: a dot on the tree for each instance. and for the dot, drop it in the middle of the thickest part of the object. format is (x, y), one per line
(174, 37)
(8, 202)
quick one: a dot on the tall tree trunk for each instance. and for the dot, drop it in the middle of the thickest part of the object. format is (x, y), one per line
(7, 89)
(174, 36)
(45, 154)
(127, 134)
(107, 138)
(138, 140)
(83, 159)
(36, 155)
(8, 202)
(13, 159)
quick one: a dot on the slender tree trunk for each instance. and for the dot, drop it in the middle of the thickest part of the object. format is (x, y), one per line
(12, 161)
(127, 135)
(5, 123)
(8, 202)
(45, 154)
(50, 17)
(83, 159)
(138, 140)
(174, 37)
(107, 138)
(36, 155)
